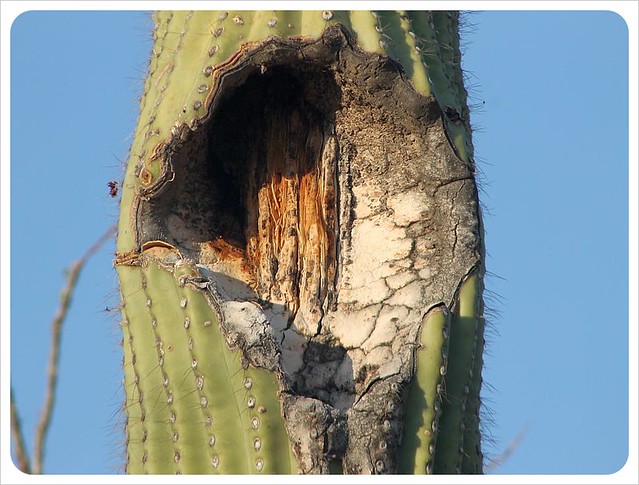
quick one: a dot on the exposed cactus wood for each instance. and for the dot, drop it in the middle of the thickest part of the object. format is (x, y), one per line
(303, 182)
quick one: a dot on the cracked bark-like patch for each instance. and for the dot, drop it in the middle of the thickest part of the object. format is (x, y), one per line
(323, 202)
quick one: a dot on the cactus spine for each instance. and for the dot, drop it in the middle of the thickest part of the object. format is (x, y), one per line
(300, 248)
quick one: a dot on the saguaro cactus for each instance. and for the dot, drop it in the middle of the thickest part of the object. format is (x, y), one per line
(300, 248)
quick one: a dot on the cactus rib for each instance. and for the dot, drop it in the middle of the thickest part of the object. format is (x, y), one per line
(465, 332)
(191, 369)
(423, 406)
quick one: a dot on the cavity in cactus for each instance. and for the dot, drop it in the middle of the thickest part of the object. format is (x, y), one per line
(300, 248)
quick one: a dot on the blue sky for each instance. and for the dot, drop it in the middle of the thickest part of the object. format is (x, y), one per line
(551, 115)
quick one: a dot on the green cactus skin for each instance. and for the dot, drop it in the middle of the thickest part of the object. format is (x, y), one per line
(195, 401)
(473, 458)
(424, 398)
(192, 406)
(458, 443)
(443, 399)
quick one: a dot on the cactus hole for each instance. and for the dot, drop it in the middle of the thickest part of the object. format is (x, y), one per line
(254, 191)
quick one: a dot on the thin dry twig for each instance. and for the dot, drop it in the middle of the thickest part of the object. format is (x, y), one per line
(504, 455)
(54, 355)
(22, 456)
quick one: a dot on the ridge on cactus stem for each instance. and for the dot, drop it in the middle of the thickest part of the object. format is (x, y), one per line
(300, 248)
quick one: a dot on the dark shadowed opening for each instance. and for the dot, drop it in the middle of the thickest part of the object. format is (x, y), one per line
(254, 186)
